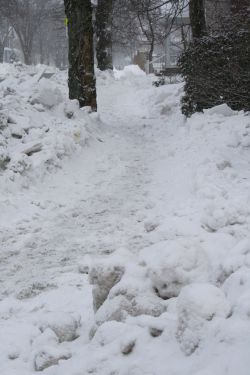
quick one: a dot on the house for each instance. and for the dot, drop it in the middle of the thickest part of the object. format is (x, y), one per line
(167, 55)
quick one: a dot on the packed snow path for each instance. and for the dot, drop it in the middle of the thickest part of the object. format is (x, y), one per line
(164, 198)
(95, 205)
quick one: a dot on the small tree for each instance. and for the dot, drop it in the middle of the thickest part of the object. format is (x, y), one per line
(104, 34)
(216, 67)
(25, 16)
(82, 82)
(156, 19)
(5, 30)
(197, 18)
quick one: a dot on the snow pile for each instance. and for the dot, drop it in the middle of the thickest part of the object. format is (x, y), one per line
(181, 304)
(197, 305)
(129, 72)
(144, 269)
(173, 264)
(39, 125)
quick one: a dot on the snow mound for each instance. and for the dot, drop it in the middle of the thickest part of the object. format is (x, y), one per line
(237, 290)
(129, 71)
(48, 357)
(237, 258)
(197, 305)
(221, 110)
(104, 277)
(129, 300)
(222, 213)
(39, 125)
(47, 93)
(166, 99)
(62, 324)
(171, 265)
(124, 291)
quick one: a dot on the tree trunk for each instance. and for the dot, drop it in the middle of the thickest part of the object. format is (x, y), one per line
(150, 57)
(197, 18)
(1, 52)
(41, 49)
(239, 5)
(152, 42)
(104, 34)
(26, 47)
(27, 57)
(82, 83)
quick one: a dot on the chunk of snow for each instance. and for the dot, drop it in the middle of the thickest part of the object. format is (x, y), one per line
(197, 305)
(47, 94)
(129, 71)
(222, 110)
(171, 265)
(64, 325)
(49, 356)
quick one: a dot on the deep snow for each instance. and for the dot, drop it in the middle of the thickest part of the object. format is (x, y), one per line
(145, 209)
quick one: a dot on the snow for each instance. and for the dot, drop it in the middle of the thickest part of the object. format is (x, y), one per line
(125, 235)
(130, 71)
(39, 125)
(197, 305)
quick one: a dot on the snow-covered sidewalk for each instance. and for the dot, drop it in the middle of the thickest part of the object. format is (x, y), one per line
(151, 214)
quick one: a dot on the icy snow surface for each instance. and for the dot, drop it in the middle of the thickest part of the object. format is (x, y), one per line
(145, 209)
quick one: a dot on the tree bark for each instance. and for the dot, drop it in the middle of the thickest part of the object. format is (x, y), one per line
(26, 46)
(82, 83)
(27, 57)
(150, 56)
(239, 5)
(104, 34)
(1, 52)
(152, 43)
(197, 18)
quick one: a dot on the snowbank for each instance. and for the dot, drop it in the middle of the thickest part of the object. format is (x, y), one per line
(39, 125)
(129, 72)
(181, 304)
(147, 262)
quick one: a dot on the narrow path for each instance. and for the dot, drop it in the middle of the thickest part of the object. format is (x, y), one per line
(102, 201)
(145, 179)
(95, 205)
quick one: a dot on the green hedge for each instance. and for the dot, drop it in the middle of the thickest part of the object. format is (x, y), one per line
(216, 70)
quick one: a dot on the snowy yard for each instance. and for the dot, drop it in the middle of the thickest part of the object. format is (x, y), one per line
(125, 236)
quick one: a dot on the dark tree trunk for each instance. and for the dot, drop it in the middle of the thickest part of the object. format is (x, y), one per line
(197, 18)
(82, 83)
(104, 34)
(239, 5)
(27, 56)
(150, 57)
(41, 48)
(26, 46)
(152, 43)
(1, 52)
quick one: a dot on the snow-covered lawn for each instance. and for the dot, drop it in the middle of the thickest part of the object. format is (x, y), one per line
(125, 246)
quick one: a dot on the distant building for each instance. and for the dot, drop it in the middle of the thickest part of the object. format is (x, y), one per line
(167, 55)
